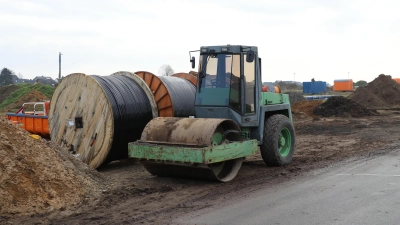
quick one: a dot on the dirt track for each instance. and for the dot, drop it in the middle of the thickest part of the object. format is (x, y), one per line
(133, 196)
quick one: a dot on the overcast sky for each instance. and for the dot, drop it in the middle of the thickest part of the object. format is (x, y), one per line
(298, 40)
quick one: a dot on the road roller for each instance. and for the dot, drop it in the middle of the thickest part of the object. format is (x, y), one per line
(234, 117)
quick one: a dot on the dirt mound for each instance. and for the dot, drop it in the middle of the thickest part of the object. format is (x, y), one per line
(5, 91)
(33, 96)
(306, 107)
(342, 107)
(367, 99)
(37, 177)
(386, 90)
(295, 97)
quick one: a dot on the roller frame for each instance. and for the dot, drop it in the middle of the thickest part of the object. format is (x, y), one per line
(192, 154)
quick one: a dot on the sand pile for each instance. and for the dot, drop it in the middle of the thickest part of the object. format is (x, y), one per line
(383, 92)
(37, 177)
(342, 107)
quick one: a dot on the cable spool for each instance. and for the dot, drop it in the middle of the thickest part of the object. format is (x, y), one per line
(187, 76)
(182, 94)
(145, 88)
(96, 116)
(174, 96)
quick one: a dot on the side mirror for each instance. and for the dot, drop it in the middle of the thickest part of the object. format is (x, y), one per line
(193, 60)
(250, 56)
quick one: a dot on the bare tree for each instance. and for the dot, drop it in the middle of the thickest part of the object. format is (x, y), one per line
(166, 70)
(20, 76)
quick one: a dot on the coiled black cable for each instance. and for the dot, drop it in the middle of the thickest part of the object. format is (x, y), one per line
(131, 112)
(182, 94)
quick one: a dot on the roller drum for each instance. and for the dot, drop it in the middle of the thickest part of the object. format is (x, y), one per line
(192, 132)
(189, 131)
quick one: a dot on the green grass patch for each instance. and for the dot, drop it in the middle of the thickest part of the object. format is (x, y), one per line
(24, 89)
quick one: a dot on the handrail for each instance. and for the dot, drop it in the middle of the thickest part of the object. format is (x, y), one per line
(34, 112)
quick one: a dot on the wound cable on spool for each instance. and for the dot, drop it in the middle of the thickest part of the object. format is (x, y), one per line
(182, 94)
(131, 111)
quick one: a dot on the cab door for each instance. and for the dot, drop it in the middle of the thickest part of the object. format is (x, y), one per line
(250, 79)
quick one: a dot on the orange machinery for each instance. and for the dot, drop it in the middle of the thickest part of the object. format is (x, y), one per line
(271, 88)
(33, 117)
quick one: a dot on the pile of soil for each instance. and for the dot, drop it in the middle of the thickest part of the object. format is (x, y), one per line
(37, 177)
(33, 96)
(367, 99)
(305, 107)
(295, 97)
(342, 107)
(5, 91)
(383, 92)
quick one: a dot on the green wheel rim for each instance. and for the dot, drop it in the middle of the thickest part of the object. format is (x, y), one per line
(284, 142)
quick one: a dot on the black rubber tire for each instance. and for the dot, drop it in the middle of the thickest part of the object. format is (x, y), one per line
(269, 149)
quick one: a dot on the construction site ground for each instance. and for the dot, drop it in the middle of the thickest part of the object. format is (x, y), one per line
(40, 183)
(125, 193)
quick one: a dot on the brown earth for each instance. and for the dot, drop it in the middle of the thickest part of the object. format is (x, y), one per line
(33, 96)
(305, 107)
(130, 195)
(382, 93)
(5, 91)
(385, 88)
(133, 196)
(341, 106)
(36, 178)
(367, 99)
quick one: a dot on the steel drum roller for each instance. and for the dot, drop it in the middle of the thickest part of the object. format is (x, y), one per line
(192, 133)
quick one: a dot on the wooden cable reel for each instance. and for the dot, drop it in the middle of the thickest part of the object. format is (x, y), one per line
(83, 117)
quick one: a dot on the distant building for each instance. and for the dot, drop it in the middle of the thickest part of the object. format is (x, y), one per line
(44, 80)
(38, 79)
(16, 80)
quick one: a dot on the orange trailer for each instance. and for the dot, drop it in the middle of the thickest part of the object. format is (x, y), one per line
(343, 85)
(397, 80)
(33, 117)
